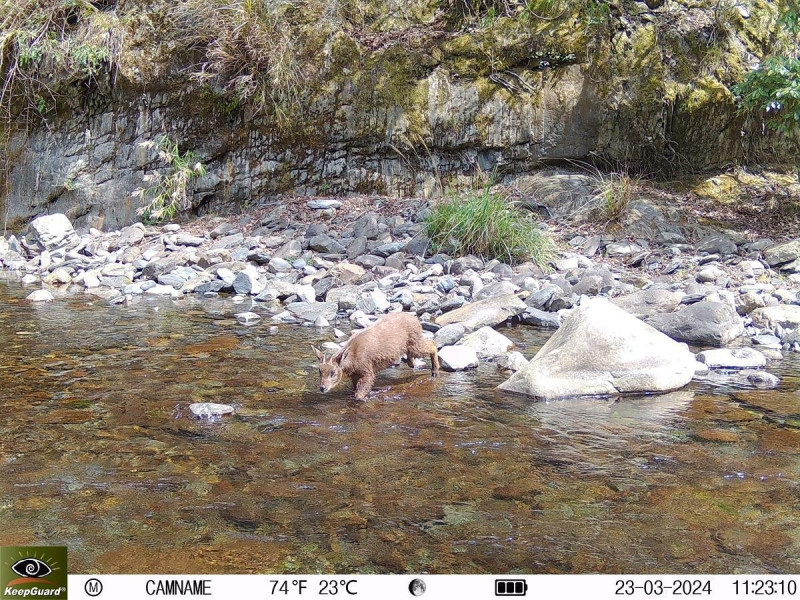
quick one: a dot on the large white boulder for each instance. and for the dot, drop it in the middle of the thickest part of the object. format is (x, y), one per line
(53, 231)
(601, 349)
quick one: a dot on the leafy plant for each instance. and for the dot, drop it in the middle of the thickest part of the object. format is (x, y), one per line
(487, 224)
(169, 193)
(773, 89)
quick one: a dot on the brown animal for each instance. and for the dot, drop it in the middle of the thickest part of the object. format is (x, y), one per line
(374, 349)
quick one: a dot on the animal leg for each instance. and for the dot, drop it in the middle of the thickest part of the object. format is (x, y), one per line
(364, 385)
(431, 348)
(410, 358)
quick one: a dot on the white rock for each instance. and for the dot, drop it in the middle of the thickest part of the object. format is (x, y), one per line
(210, 409)
(512, 361)
(457, 358)
(90, 279)
(306, 293)
(732, 358)
(248, 318)
(373, 301)
(323, 203)
(52, 231)
(601, 349)
(30, 279)
(321, 322)
(226, 275)
(487, 342)
(162, 290)
(40, 296)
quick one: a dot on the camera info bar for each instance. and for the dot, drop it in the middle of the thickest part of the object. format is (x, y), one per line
(429, 587)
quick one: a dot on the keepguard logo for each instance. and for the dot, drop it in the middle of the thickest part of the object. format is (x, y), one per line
(33, 572)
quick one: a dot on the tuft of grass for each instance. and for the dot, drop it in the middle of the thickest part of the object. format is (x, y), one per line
(615, 191)
(487, 224)
(169, 193)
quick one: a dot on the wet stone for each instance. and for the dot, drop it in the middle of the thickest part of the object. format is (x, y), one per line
(205, 410)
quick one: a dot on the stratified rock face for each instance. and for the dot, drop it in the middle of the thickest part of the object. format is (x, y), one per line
(601, 349)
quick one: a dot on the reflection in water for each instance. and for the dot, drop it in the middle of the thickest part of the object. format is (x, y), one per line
(98, 452)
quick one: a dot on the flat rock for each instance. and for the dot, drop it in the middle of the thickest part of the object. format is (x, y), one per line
(248, 318)
(540, 318)
(487, 343)
(457, 358)
(649, 302)
(323, 203)
(491, 312)
(782, 253)
(601, 349)
(325, 244)
(311, 311)
(449, 335)
(703, 323)
(786, 316)
(732, 358)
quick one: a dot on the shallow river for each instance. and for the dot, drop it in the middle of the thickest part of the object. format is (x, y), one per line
(98, 452)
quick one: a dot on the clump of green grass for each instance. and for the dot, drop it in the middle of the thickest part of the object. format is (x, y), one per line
(169, 193)
(615, 191)
(488, 225)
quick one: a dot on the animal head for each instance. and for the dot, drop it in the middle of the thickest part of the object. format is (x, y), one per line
(330, 372)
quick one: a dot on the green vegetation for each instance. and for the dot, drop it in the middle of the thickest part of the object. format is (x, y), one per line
(772, 91)
(169, 193)
(46, 46)
(487, 224)
(615, 191)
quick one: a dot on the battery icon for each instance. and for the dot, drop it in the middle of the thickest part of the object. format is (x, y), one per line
(510, 587)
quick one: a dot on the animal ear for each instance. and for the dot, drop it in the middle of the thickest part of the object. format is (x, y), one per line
(320, 355)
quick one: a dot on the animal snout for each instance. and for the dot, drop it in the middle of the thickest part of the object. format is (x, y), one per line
(322, 388)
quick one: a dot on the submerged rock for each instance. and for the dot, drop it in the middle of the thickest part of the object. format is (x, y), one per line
(601, 349)
(210, 409)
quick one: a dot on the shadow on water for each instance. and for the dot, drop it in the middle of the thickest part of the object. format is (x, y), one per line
(98, 452)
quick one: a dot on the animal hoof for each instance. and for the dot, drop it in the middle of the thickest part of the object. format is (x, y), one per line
(434, 375)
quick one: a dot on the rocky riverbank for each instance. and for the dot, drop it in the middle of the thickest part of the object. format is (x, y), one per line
(336, 262)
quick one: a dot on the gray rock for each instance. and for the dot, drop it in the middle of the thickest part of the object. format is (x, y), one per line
(369, 260)
(709, 274)
(184, 239)
(312, 311)
(491, 312)
(782, 253)
(786, 316)
(487, 343)
(347, 273)
(221, 230)
(373, 301)
(540, 318)
(357, 247)
(247, 281)
(499, 288)
(53, 231)
(457, 358)
(649, 302)
(732, 358)
(717, 244)
(512, 361)
(601, 349)
(291, 249)
(452, 303)
(207, 410)
(323, 203)
(321, 322)
(279, 265)
(449, 335)
(623, 249)
(248, 318)
(164, 265)
(325, 244)
(418, 245)
(367, 226)
(39, 296)
(345, 297)
(767, 340)
(543, 297)
(751, 268)
(385, 250)
(228, 242)
(704, 323)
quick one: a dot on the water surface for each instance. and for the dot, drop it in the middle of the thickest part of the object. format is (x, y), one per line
(98, 452)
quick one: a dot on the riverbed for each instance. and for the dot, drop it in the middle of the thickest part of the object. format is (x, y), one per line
(99, 452)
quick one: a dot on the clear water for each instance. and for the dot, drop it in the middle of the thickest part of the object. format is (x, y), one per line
(98, 452)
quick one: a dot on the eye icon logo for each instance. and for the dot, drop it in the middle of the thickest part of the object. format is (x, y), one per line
(31, 567)
(27, 571)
